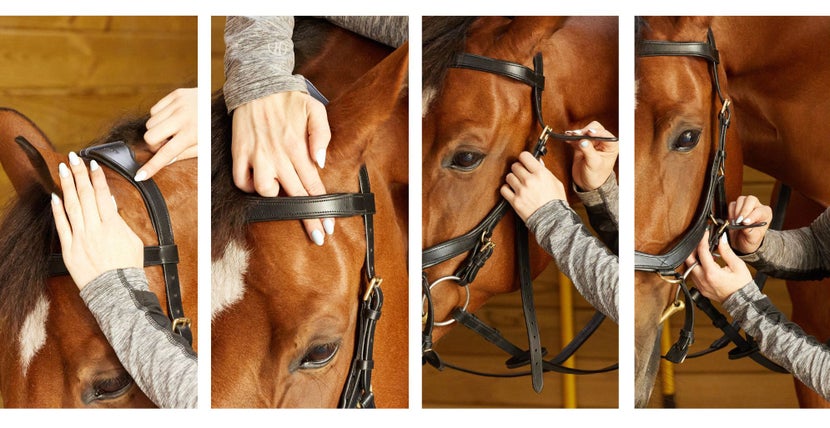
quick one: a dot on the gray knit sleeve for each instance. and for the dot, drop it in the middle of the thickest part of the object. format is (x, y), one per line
(795, 254)
(602, 204)
(779, 339)
(162, 363)
(259, 58)
(591, 266)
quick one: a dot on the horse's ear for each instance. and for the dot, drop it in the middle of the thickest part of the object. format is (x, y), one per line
(27, 156)
(372, 99)
(525, 32)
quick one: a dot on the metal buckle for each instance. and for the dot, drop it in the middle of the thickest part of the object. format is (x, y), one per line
(180, 322)
(374, 283)
(488, 243)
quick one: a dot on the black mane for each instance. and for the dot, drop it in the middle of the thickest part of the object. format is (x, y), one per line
(28, 237)
(443, 38)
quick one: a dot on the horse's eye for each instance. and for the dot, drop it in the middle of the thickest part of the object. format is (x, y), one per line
(686, 141)
(109, 388)
(466, 161)
(319, 356)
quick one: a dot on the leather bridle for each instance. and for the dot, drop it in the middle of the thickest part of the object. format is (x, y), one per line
(712, 215)
(119, 157)
(357, 392)
(479, 247)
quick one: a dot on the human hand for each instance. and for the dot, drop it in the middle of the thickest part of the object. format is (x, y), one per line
(94, 238)
(593, 160)
(171, 131)
(531, 185)
(749, 210)
(276, 141)
(714, 281)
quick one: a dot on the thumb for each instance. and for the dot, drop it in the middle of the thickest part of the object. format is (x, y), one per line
(319, 133)
(727, 254)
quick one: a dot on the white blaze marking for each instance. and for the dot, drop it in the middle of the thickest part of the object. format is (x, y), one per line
(33, 332)
(227, 278)
(427, 96)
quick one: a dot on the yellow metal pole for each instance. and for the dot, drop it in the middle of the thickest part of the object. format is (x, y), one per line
(567, 334)
(667, 367)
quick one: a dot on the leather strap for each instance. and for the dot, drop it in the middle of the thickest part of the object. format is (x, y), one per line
(119, 157)
(306, 207)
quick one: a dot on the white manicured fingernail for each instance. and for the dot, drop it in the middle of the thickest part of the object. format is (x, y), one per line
(55, 199)
(723, 239)
(576, 132)
(63, 170)
(739, 219)
(328, 225)
(74, 159)
(317, 237)
(583, 143)
(93, 166)
(141, 176)
(747, 220)
(113, 202)
(320, 157)
(541, 161)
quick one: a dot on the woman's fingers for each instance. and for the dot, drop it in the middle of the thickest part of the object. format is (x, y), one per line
(61, 223)
(70, 198)
(103, 197)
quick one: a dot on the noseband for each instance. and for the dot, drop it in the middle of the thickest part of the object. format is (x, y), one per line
(479, 247)
(712, 216)
(119, 157)
(357, 392)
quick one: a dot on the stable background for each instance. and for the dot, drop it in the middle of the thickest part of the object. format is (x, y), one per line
(76, 76)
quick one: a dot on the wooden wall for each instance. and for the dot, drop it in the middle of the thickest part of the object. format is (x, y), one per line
(74, 76)
(715, 381)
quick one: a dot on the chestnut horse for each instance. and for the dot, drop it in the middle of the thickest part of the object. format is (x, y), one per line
(284, 310)
(53, 353)
(775, 72)
(476, 123)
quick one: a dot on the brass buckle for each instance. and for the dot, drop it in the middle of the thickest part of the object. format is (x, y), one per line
(374, 283)
(180, 322)
(488, 243)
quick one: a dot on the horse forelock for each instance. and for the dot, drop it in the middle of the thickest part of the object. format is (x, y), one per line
(443, 38)
(228, 210)
(27, 238)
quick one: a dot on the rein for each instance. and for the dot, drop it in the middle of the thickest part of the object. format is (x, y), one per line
(479, 246)
(357, 392)
(119, 157)
(711, 216)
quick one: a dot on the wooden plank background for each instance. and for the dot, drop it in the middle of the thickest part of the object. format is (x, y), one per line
(715, 381)
(452, 389)
(75, 76)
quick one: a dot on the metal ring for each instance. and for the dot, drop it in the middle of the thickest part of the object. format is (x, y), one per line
(466, 301)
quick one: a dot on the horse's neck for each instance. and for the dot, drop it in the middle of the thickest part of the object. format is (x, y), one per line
(781, 125)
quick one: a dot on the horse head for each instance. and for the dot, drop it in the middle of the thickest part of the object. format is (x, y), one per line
(677, 135)
(57, 355)
(284, 310)
(476, 123)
